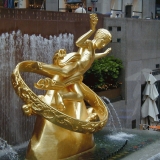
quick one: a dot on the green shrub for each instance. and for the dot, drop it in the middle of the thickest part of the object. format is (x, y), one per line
(104, 74)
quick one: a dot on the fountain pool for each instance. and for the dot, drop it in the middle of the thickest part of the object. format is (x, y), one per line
(109, 145)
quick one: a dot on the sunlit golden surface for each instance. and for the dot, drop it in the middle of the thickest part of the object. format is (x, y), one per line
(64, 124)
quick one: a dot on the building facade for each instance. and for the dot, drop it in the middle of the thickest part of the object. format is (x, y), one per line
(135, 42)
(113, 8)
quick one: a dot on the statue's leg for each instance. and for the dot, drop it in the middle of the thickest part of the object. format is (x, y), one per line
(75, 95)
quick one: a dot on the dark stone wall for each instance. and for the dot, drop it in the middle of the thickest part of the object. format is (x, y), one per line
(45, 23)
(15, 127)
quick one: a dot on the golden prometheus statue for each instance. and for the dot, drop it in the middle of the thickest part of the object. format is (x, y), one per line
(64, 126)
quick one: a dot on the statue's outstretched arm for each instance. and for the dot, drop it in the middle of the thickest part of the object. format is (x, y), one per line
(83, 38)
(66, 71)
(100, 55)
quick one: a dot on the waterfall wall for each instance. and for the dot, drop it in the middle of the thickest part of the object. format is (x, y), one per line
(15, 47)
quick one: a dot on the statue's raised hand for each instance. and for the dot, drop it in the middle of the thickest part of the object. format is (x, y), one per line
(108, 51)
(93, 21)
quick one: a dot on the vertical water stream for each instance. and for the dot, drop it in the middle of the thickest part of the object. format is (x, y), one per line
(14, 48)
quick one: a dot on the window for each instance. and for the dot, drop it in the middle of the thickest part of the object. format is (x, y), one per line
(134, 124)
(118, 28)
(118, 40)
(110, 28)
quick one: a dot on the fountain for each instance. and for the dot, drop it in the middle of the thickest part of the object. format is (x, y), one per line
(16, 47)
(108, 142)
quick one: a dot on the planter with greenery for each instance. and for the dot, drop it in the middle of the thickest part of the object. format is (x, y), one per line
(103, 74)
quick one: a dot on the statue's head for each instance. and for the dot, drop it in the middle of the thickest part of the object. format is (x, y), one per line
(61, 58)
(101, 38)
(58, 55)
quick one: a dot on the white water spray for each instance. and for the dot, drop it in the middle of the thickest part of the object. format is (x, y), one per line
(33, 47)
(111, 120)
(112, 107)
(121, 136)
(7, 151)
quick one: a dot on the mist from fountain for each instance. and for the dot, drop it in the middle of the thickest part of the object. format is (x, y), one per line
(7, 152)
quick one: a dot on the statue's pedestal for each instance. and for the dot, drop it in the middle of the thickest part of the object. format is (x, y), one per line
(53, 142)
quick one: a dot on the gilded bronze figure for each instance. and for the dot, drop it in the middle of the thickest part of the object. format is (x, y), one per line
(64, 124)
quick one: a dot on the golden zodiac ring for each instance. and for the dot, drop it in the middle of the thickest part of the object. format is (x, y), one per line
(51, 114)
